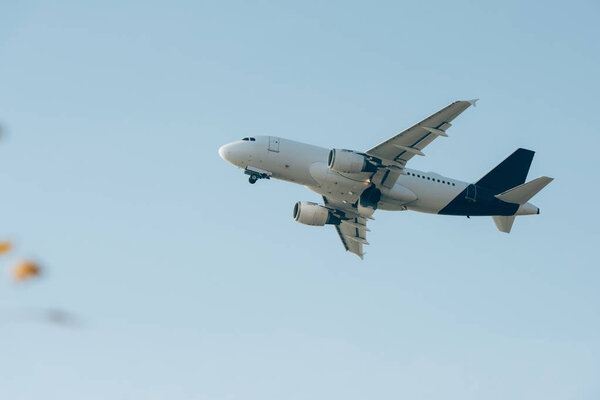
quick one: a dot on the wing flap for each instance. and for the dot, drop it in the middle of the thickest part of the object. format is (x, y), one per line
(352, 230)
(353, 234)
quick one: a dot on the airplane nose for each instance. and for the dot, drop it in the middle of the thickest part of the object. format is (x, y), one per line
(224, 152)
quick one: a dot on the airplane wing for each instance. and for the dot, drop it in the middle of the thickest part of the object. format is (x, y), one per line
(395, 151)
(352, 230)
(411, 142)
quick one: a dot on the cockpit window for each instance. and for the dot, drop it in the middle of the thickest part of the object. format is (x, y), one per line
(251, 139)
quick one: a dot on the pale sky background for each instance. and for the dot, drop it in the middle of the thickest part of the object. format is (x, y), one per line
(192, 284)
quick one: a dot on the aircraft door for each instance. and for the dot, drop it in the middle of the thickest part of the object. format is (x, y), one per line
(274, 144)
(471, 194)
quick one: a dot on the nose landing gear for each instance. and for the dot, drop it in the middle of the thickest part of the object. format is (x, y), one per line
(256, 174)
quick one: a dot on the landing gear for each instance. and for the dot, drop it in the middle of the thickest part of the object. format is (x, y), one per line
(256, 174)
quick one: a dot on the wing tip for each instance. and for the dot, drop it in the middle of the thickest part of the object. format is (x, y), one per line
(473, 102)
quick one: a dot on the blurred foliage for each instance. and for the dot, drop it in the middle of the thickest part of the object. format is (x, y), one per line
(25, 270)
(5, 246)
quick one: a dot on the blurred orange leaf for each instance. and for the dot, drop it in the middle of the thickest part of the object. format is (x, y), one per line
(5, 246)
(25, 270)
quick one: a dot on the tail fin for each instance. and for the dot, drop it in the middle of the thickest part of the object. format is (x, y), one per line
(509, 173)
(504, 223)
(522, 193)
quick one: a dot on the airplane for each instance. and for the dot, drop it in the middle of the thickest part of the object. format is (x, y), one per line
(354, 184)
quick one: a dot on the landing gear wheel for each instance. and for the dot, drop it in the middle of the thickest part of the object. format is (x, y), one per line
(252, 179)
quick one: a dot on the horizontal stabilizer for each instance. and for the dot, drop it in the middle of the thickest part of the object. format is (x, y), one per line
(504, 223)
(522, 193)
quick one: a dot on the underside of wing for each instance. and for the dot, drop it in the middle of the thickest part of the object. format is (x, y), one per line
(405, 145)
(352, 230)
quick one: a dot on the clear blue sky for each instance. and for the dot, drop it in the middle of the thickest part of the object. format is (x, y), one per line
(193, 284)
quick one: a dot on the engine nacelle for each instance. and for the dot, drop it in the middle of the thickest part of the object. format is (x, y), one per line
(349, 162)
(313, 214)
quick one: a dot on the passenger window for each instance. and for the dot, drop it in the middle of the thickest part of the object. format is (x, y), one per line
(428, 178)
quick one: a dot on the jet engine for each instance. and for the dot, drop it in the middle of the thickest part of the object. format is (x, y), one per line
(349, 162)
(313, 214)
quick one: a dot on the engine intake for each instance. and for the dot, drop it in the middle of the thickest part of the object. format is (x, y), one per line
(349, 162)
(313, 214)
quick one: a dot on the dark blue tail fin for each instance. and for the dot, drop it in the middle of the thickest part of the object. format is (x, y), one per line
(509, 173)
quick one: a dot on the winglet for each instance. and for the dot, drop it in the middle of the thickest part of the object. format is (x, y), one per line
(473, 102)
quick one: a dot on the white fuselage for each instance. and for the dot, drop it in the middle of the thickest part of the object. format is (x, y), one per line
(306, 165)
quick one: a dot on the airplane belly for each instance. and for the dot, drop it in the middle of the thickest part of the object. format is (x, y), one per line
(333, 184)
